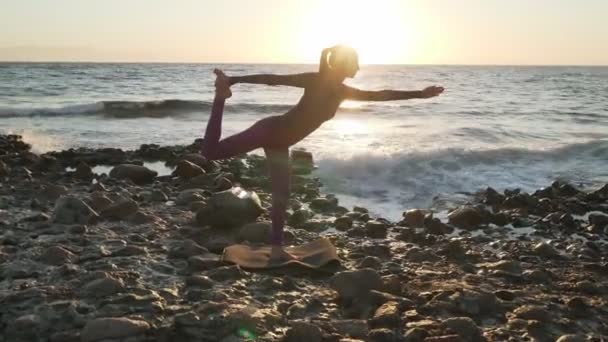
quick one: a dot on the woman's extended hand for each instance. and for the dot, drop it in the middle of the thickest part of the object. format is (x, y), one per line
(432, 91)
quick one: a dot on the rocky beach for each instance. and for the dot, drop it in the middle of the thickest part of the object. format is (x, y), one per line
(106, 245)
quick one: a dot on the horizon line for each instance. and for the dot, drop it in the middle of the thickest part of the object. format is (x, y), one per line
(296, 63)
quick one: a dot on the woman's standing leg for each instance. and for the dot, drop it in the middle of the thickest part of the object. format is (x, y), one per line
(278, 166)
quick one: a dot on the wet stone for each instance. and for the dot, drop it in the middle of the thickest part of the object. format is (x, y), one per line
(100, 329)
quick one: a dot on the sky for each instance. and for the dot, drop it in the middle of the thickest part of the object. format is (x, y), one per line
(495, 32)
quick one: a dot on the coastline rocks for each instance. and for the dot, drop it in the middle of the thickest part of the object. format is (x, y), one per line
(354, 284)
(465, 327)
(189, 196)
(200, 160)
(414, 218)
(187, 170)
(301, 331)
(301, 162)
(257, 232)
(466, 218)
(113, 328)
(376, 229)
(104, 287)
(230, 208)
(136, 173)
(186, 249)
(120, 210)
(58, 256)
(4, 169)
(71, 210)
(327, 204)
(84, 172)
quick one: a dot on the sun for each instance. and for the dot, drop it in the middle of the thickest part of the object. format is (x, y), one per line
(382, 31)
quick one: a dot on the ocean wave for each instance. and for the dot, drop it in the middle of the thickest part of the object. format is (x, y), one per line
(136, 109)
(414, 179)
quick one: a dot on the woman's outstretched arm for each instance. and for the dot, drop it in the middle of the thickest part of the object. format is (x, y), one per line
(355, 94)
(296, 80)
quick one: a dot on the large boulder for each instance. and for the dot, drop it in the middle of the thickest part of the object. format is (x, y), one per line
(230, 208)
(136, 173)
(466, 218)
(187, 170)
(71, 210)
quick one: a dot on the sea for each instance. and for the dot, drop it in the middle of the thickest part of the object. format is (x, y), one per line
(501, 126)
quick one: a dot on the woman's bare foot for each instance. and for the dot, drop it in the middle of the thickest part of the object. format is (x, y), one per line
(222, 84)
(277, 253)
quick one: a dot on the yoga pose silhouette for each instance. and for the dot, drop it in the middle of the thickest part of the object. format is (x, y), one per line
(324, 91)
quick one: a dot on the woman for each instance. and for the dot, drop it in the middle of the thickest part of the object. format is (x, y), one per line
(324, 91)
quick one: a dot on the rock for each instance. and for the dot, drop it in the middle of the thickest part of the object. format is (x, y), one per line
(120, 210)
(532, 312)
(230, 208)
(100, 329)
(187, 170)
(475, 302)
(58, 256)
(381, 335)
(186, 249)
(353, 284)
(53, 192)
(414, 218)
(326, 204)
(200, 160)
(28, 324)
(465, 218)
(465, 327)
(300, 216)
(84, 172)
(203, 263)
(189, 196)
(256, 232)
(588, 287)
(4, 169)
(104, 287)
(386, 316)
(222, 184)
(415, 335)
(71, 210)
(199, 281)
(99, 202)
(571, 338)
(545, 250)
(598, 220)
(301, 331)
(538, 276)
(343, 223)
(355, 328)
(136, 173)
(197, 205)
(510, 266)
(376, 229)
(158, 196)
(141, 217)
(130, 250)
(226, 273)
(370, 262)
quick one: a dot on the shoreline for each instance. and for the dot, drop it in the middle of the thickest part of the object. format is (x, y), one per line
(143, 260)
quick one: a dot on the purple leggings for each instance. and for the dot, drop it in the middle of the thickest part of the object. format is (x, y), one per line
(262, 134)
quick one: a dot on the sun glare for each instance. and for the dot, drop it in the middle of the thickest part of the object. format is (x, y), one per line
(380, 30)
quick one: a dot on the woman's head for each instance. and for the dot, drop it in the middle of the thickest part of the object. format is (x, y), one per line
(342, 60)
